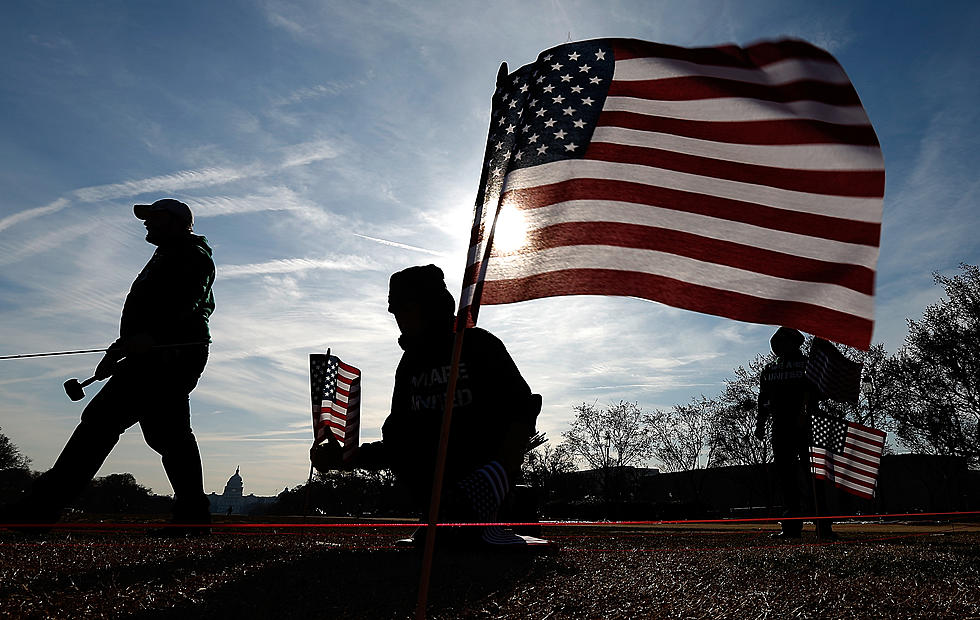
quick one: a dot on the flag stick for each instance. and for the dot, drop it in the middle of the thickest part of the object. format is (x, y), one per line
(309, 481)
(430, 531)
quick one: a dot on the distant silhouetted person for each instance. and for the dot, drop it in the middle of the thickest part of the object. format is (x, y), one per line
(168, 304)
(787, 398)
(493, 415)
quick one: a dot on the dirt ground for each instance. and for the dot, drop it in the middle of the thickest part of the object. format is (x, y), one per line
(609, 571)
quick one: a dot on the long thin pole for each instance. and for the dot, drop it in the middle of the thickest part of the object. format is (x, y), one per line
(80, 351)
(430, 531)
(309, 481)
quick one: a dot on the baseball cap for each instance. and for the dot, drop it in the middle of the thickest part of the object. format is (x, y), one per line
(174, 207)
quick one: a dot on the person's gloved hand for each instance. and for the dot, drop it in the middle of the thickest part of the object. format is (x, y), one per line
(327, 455)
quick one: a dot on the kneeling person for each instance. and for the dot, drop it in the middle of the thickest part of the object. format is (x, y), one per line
(493, 411)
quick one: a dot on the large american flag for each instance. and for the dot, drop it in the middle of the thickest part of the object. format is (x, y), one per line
(335, 388)
(740, 182)
(847, 454)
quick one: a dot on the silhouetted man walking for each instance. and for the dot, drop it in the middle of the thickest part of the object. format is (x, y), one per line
(152, 368)
(787, 397)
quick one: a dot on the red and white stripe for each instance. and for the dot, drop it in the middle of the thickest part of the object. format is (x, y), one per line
(856, 470)
(342, 416)
(741, 183)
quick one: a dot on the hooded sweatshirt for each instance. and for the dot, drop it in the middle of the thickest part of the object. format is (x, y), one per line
(490, 391)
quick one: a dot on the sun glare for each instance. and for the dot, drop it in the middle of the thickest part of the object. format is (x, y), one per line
(510, 234)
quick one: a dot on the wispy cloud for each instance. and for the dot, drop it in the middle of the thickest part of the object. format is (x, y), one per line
(294, 265)
(174, 182)
(30, 214)
(294, 155)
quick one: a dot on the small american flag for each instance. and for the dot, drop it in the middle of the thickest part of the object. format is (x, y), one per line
(837, 377)
(740, 182)
(847, 454)
(335, 388)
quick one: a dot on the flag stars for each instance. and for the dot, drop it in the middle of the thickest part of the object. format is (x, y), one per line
(576, 89)
(584, 69)
(557, 66)
(570, 147)
(600, 55)
(549, 123)
(595, 79)
(566, 78)
(540, 79)
(513, 103)
(518, 156)
(579, 124)
(502, 121)
(588, 101)
(540, 112)
(524, 88)
(569, 111)
(511, 128)
(548, 88)
(534, 103)
(558, 99)
(573, 56)
(532, 139)
(499, 146)
(542, 149)
(560, 134)
(548, 57)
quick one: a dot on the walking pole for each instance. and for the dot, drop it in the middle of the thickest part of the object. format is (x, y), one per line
(430, 531)
(309, 481)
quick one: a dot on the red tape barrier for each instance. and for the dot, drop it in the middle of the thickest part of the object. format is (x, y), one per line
(412, 524)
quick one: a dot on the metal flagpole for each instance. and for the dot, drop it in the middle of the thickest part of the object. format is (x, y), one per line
(430, 531)
(309, 481)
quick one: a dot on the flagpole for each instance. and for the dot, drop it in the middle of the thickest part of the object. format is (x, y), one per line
(433, 520)
(309, 481)
(440, 466)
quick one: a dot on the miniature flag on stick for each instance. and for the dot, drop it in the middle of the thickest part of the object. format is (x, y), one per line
(335, 388)
(837, 377)
(847, 454)
(740, 182)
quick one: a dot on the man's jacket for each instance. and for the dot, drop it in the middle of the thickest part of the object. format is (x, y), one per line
(490, 394)
(171, 298)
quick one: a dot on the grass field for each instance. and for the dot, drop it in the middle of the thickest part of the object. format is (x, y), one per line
(889, 570)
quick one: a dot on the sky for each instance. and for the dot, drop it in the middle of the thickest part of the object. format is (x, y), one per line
(324, 145)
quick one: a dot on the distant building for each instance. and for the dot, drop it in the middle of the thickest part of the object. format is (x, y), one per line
(233, 500)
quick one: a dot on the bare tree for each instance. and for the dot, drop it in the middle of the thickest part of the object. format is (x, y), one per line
(544, 464)
(681, 439)
(608, 440)
(10, 455)
(610, 437)
(939, 366)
